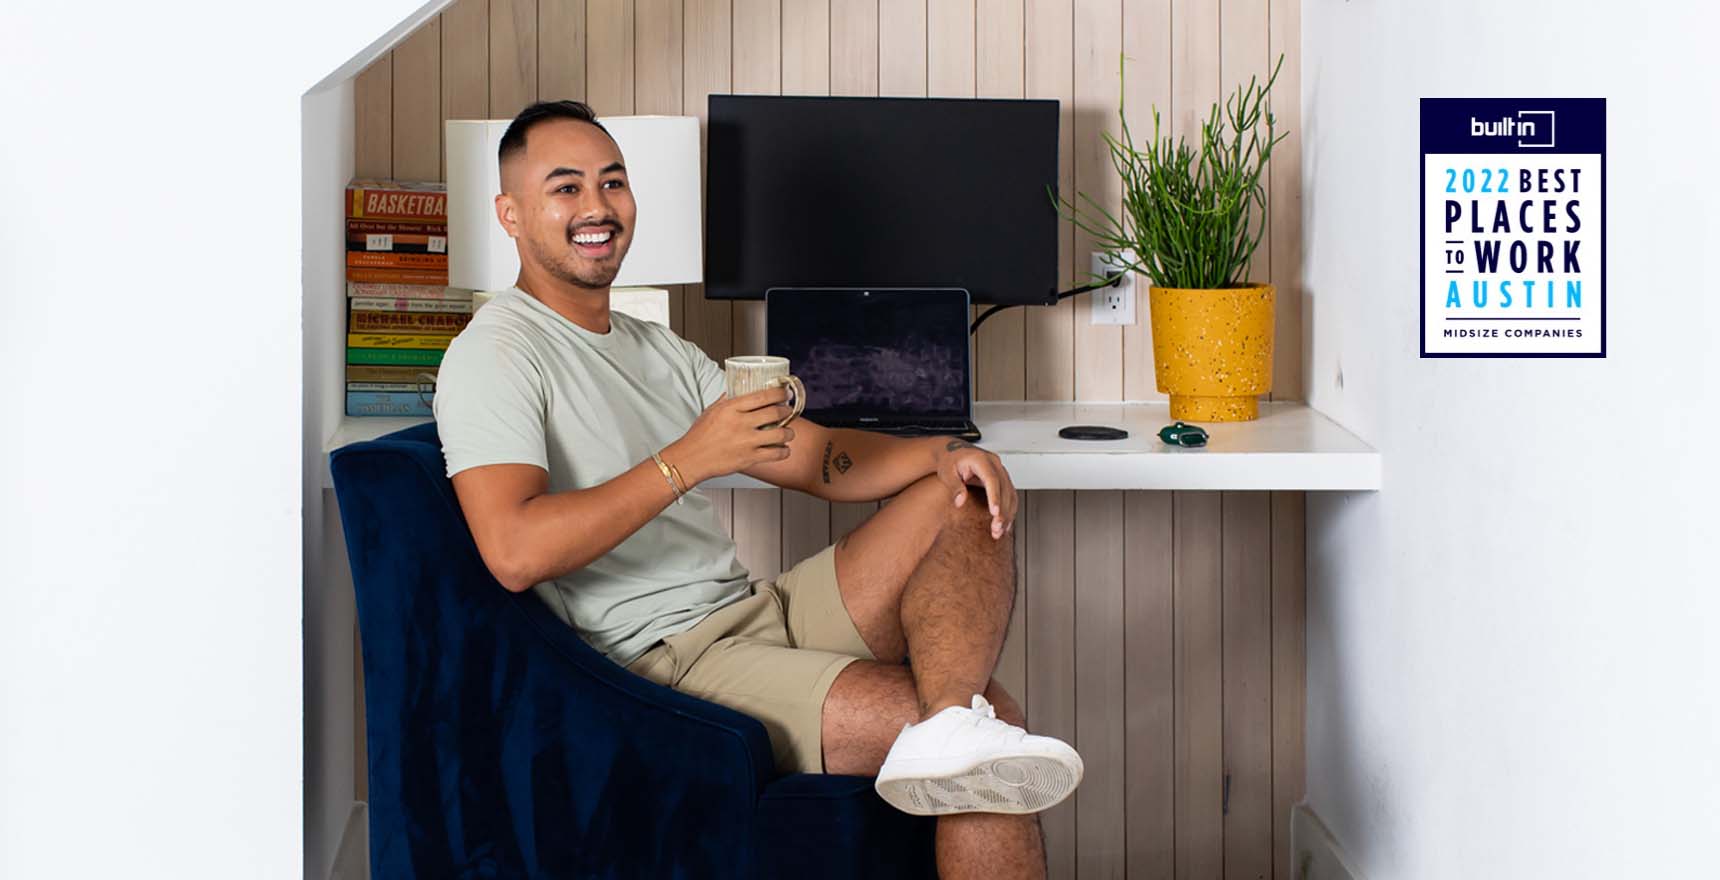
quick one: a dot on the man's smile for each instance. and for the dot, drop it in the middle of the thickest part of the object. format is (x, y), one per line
(594, 242)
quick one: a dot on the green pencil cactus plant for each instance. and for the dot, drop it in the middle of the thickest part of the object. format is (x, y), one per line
(1191, 218)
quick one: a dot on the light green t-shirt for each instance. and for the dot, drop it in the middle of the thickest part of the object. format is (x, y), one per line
(524, 385)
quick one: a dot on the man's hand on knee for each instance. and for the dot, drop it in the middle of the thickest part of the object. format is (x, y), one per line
(962, 465)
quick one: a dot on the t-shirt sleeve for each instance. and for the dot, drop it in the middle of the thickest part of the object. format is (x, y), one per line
(489, 402)
(708, 373)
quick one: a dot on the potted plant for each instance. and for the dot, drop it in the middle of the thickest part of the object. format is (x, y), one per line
(1190, 222)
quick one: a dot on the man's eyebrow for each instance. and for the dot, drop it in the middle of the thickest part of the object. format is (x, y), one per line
(565, 171)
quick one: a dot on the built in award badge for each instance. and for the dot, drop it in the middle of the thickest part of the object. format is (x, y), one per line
(1513, 227)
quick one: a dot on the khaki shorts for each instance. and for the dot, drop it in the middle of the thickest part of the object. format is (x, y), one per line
(772, 655)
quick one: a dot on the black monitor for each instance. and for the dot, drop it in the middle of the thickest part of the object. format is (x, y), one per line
(883, 192)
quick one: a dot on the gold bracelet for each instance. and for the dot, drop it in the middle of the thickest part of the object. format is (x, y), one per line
(669, 477)
(679, 480)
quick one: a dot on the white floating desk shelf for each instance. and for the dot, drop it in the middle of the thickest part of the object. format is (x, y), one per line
(1290, 447)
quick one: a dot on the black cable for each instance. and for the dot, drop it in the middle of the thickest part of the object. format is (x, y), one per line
(1110, 281)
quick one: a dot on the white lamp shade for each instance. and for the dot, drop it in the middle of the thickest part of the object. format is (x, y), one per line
(662, 158)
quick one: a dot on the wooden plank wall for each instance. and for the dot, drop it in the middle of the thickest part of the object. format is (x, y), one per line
(1160, 632)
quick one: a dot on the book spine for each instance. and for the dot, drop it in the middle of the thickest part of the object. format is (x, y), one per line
(394, 227)
(395, 260)
(425, 388)
(408, 291)
(383, 203)
(390, 375)
(396, 243)
(409, 304)
(368, 274)
(397, 340)
(367, 321)
(392, 356)
(383, 403)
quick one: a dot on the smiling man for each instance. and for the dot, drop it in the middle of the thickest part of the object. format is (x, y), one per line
(572, 433)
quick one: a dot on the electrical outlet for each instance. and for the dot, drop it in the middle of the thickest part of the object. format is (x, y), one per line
(1112, 306)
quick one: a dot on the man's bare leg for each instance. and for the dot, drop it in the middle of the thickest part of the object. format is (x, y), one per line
(865, 709)
(922, 577)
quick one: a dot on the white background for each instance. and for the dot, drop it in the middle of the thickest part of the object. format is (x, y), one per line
(1588, 237)
(1514, 648)
(150, 447)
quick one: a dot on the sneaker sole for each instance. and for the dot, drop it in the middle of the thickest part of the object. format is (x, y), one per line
(1016, 784)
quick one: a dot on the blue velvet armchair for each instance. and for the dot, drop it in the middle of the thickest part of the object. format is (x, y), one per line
(502, 745)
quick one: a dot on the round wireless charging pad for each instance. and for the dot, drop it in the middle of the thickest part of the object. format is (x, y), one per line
(1092, 432)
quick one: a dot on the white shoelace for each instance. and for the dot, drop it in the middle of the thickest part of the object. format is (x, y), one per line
(986, 716)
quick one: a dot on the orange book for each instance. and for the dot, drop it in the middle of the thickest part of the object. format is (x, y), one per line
(392, 227)
(398, 242)
(376, 275)
(424, 202)
(396, 260)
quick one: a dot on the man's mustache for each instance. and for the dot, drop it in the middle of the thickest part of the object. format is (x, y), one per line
(613, 225)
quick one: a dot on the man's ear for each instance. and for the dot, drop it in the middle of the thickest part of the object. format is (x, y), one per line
(508, 213)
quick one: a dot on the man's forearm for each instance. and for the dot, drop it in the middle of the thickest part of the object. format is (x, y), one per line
(866, 466)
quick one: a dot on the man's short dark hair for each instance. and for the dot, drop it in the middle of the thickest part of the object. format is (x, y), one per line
(514, 139)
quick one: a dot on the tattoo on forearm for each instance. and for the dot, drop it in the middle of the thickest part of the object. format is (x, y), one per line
(842, 461)
(958, 443)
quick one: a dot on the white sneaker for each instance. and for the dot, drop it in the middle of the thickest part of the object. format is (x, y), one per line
(966, 761)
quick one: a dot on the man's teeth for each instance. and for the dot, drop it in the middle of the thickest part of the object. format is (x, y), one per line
(592, 237)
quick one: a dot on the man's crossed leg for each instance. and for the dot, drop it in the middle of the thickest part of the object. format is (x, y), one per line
(925, 580)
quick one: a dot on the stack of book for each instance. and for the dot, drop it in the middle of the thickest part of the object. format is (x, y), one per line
(401, 313)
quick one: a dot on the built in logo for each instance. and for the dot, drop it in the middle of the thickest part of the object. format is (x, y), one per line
(1513, 227)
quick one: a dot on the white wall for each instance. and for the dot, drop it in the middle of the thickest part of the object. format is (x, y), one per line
(1513, 661)
(329, 609)
(151, 698)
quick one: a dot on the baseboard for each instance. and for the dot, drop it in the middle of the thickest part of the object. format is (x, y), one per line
(352, 859)
(1315, 853)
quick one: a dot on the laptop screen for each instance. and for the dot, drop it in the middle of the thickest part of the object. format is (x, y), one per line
(890, 354)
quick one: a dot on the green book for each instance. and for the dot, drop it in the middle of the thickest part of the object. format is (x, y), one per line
(422, 357)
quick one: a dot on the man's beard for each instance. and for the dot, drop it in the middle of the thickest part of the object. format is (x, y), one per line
(576, 271)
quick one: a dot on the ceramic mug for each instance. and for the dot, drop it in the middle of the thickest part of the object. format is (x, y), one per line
(756, 372)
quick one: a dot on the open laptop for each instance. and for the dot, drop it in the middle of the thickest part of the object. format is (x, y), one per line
(894, 360)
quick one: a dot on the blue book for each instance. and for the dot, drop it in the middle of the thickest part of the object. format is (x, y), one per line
(387, 403)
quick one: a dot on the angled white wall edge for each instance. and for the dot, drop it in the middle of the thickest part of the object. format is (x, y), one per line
(1315, 853)
(1290, 447)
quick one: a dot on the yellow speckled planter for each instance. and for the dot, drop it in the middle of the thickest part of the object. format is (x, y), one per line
(1212, 350)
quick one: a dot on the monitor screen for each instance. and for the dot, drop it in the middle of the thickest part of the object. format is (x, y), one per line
(861, 353)
(886, 192)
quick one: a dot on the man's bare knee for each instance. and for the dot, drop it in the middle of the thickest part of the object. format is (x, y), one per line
(927, 493)
(936, 500)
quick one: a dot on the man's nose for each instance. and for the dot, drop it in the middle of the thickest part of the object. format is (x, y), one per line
(595, 204)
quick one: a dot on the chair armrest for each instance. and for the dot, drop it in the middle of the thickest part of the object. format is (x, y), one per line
(728, 736)
(660, 783)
